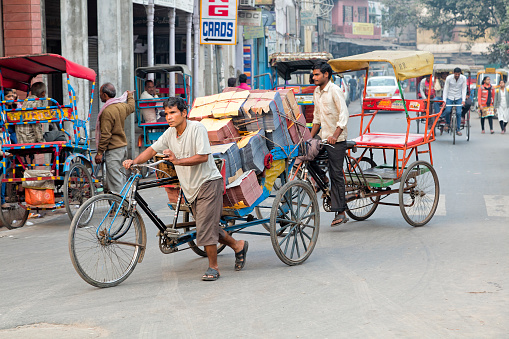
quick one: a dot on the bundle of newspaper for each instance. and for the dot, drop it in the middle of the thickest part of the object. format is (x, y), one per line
(218, 105)
(253, 149)
(243, 192)
(295, 118)
(221, 131)
(231, 154)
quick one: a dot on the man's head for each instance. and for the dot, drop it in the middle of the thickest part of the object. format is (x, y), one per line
(150, 87)
(322, 72)
(38, 89)
(232, 82)
(457, 73)
(242, 79)
(311, 81)
(107, 91)
(444, 75)
(175, 109)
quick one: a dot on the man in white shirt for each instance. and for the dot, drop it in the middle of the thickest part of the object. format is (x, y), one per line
(186, 145)
(149, 114)
(331, 116)
(455, 93)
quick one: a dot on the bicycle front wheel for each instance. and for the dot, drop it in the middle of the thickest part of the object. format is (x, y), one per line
(105, 240)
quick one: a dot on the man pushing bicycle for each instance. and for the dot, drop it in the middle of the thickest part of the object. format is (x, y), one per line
(186, 144)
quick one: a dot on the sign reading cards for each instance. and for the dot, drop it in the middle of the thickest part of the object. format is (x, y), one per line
(218, 22)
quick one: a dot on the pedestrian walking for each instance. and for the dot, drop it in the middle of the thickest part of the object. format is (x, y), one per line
(486, 97)
(110, 138)
(353, 86)
(331, 119)
(502, 105)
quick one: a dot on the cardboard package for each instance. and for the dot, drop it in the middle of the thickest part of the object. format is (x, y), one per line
(296, 120)
(243, 192)
(231, 154)
(221, 131)
(253, 149)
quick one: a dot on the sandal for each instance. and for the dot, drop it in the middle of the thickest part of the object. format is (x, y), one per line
(339, 219)
(240, 257)
(211, 275)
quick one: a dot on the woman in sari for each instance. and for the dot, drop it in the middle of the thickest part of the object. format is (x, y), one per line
(486, 97)
(502, 105)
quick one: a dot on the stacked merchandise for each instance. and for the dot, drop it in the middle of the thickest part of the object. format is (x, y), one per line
(220, 131)
(243, 192)
(218, 105)
(231, 154)
(296, 120)
(253, 149)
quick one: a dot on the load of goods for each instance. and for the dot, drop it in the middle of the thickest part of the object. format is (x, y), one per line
(251, 133)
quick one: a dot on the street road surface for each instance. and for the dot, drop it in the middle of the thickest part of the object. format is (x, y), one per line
(379, 278)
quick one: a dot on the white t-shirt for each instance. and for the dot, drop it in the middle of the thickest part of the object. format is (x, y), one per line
(194, 140)
(149, 114)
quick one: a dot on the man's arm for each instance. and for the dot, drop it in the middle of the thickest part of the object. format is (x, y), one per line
(191, 161)
(340, 103)
(106, 125)
(315, 129)
(446, 89)
(464, 92)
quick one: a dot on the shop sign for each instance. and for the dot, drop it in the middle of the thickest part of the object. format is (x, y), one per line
(361, 28)
(251, 32)
(264, 2)
(307, 18)
(250, 18)
(218, 22)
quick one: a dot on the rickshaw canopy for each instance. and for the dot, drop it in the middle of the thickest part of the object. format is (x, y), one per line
(18, 71)
(440, 68)
(287, 63)
(142, 71)
(406, 64)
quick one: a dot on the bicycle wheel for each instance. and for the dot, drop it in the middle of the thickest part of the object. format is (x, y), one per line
(361, 208)
(419, 192)
(452, 128)
(200, 250)
(262, 211)
(16, 215)
(294, 222)
(78, 188)
(106, 246)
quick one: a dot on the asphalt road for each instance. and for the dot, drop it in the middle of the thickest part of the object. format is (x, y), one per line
(379, 278)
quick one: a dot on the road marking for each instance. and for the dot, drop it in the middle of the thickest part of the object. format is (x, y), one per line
(441, 206)
(497, 205)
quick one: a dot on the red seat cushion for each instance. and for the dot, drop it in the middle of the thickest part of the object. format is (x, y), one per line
(155, 124)
(388, 139)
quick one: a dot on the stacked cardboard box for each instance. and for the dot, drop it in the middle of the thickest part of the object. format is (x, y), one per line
(253, 149)
(295, 117)
(218, 105)
(221, 131)
(231, 154)
(243, 192)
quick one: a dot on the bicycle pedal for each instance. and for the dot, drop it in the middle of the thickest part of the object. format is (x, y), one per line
(172, 233)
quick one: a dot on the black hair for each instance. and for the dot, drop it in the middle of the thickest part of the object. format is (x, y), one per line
(232, 82)
(8, 90)
(323, 67)
(457, 70)
(242, 78)
(175, 102)
(109, 90)
(146, 82)
(311, 81)
(484, 80)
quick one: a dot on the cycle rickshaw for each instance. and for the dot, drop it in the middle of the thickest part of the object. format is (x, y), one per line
(465, 120)
(107, 237)
(415, 182)
(68, 164)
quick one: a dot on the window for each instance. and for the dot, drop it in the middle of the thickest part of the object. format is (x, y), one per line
(363, 14)
(347, 14)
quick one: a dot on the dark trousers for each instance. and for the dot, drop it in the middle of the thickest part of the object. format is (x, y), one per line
(336, 157)
(490, 121)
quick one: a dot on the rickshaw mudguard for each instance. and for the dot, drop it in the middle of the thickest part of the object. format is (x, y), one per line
(143, 231)
(72, 158)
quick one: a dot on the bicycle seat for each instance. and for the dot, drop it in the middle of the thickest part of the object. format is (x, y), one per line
(350, 144)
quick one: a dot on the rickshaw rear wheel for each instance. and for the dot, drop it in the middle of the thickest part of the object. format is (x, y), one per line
(362, 208)
(294, 222)
(419, 192)
(78, 188)
(16, 215)
(200, 250)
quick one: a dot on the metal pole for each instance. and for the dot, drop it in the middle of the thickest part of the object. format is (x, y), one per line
(189, 50)
(171, 16)
(150, 36)
(196, 47)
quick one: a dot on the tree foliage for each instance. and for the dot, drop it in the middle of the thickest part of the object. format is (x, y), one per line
(482, 18)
